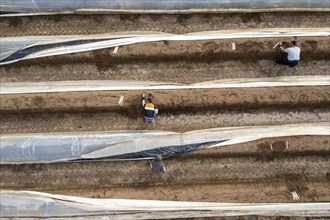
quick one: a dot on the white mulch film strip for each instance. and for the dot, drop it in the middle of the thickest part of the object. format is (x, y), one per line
(37, 204)
(115, 85)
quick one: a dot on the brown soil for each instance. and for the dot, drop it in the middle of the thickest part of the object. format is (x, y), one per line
(215, 177)
(270, 147)
(184, 62)
(169, 100)
(180, 110)
(270, 191)
(175, 121)
(96, 24)
(175, 71)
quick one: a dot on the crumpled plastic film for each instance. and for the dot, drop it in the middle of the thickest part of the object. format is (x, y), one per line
(37, 7)
(135, 145)
(14, 49)
(37, 204)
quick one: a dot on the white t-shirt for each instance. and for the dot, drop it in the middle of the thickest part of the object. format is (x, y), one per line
(293, 53)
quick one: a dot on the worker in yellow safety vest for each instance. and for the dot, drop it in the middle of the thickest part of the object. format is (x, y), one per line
(150, 108)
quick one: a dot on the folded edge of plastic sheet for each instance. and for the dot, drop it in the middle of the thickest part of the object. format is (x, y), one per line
(117, 85)
(136, 145)
(14, 49)
(37, 204)
(41, 7)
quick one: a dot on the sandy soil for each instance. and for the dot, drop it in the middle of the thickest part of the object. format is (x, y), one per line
(269, 191)
(265, 176)
(184, 62)
(169, 100)
(180, 110)
(270, 147)
(95, 24)
(175, 71)
(175, 121)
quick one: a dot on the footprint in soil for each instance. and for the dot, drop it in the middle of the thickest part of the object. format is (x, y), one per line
(309, 44)
(210, 48)
(130, 18)
(279, 146)
(99, 18)
(249, 17)
(251, 48)
(38, 101)
(182, 19)
(15, 22)
(275, 147)
(295, 182)
(103, 60)
(264, 148)
(166, 43)
(56, 18)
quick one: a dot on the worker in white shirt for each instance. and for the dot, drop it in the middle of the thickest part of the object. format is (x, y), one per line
(293, 55)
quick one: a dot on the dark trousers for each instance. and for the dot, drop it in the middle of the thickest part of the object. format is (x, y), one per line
(290, 63)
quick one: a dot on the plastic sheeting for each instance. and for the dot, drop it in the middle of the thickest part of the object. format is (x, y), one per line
(113, 85)
(39, 7)
(120, 145)
(37, 204)
(14, 49)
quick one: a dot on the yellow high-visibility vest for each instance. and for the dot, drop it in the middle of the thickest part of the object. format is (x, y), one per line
(149, 106)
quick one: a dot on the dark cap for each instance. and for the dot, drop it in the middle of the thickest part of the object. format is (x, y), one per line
(294, 42)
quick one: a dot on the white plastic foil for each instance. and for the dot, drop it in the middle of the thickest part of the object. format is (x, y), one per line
(37, 204)
(112, 85)
(135, 145)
